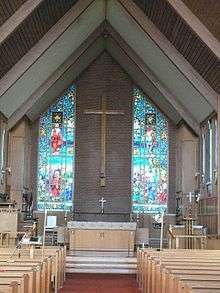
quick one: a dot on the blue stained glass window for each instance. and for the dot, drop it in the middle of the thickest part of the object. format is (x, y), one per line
(150, 156)
(56, 154)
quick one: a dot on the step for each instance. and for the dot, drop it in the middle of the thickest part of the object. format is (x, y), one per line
(101, 271)
(95, 253)
(101, 259)
(100, 265)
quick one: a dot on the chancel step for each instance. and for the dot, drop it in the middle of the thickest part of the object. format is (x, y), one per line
(103, 253)
(101, 264)
(101, 259)
(101, 271)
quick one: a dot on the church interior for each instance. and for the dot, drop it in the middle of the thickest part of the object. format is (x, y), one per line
(109, 157)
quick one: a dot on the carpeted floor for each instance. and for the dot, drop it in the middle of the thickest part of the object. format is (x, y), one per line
(100, 283)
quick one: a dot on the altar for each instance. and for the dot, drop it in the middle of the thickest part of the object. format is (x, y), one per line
(102, 236)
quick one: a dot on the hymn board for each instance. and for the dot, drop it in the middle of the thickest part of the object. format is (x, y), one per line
(103, 112)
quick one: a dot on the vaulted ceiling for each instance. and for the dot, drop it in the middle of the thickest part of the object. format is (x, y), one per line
(46, 44)
(183, 38)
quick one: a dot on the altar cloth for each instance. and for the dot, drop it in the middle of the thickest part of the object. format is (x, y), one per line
(128, 226)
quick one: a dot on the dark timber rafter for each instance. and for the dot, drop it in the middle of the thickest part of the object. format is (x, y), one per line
(184, 113)
(196, 25)
(93, 42)
(180, 62)
(34, 54)
(120, 47)
(8, 27)
(85, 18)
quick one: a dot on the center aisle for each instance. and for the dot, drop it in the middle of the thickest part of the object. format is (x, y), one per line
(100, 283)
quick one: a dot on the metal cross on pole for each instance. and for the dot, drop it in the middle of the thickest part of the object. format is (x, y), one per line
(2, 150)
(190, 196)
(102, 201)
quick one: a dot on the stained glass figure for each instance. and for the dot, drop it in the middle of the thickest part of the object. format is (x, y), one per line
(150, 156)
(56, 154)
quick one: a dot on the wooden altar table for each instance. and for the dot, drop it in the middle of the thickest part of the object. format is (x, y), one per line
(102, 236)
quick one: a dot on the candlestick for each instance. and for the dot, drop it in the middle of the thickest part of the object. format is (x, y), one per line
(2, 149)
(161, 232)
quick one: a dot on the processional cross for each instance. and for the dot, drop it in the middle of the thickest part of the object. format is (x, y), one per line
(102, 201)
(103, 112)
(190, 197)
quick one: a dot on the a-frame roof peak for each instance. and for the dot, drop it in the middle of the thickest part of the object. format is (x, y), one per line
(160, 63)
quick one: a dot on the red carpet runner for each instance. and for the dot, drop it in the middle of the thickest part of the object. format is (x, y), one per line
(100, 283)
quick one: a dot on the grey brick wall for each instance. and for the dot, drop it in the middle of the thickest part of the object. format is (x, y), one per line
(106, 77)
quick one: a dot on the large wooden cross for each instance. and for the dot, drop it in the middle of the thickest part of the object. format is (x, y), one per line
(103, 112)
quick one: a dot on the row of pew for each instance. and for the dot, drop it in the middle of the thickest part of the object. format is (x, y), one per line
(28, 270)
(178, 271)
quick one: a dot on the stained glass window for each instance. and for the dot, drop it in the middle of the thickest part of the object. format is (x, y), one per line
(56, 154)
(150, 156)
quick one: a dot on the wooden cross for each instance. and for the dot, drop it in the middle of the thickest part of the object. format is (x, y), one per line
(103, 112)
(102, 201)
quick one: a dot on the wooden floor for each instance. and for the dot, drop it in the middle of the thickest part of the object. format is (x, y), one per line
(100, 283)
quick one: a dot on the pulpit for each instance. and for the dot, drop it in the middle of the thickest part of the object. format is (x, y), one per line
(8, 226)
(102, 236)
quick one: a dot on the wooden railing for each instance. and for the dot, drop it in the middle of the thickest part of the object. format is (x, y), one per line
(186, 241)
(207, 214)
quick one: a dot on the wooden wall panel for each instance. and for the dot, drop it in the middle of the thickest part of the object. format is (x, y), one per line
(187, 160)
(19, 160)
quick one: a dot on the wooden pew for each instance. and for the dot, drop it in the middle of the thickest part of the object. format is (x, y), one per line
(201, 286)
(178, 281)
(22, 280)
(34, 273)
(53, 264)
(173, 271)
(30, 271)
(166, 271)
(13, 287)
(169, 258)
(202, 290)
(166, 282)
(58, 255)
(41, 277)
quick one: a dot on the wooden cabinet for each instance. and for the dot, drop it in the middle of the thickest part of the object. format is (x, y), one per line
(108, 240)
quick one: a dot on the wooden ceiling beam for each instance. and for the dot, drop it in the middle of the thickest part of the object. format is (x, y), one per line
(11, 24)
(167, 48)
(172, 100)
(196, 25)
(52, 80)
(48, 39)
(139, 79)
(2, 117)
